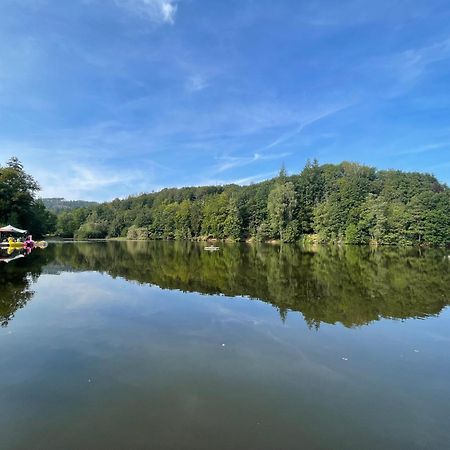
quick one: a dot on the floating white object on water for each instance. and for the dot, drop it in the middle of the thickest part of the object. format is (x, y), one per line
(416, 351)
(211, 248)
(344, 359)
(223, 345)
(89, 380)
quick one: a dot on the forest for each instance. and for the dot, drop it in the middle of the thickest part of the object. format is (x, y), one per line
(345, 203)
(58, 204)
(331, 203)
(18, 203)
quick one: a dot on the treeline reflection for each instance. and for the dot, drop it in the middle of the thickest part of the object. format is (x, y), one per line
(350, 285)
(16, 279)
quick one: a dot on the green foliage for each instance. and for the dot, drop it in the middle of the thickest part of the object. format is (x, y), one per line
(43, 221)
(215, 213)
(233, 223)
(18, 204)
(310, 190)
(348, 203)
(69, 222)
(57, 204)
(183, 220)
(280, 205)
(138, 233)
(264, 232)
(95, 227)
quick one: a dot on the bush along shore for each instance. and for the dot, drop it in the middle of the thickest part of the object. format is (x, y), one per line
(330, 203)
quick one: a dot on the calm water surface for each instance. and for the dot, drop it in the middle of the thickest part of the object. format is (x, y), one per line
(162, 345)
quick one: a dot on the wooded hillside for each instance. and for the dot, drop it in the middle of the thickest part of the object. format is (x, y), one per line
(347, 202)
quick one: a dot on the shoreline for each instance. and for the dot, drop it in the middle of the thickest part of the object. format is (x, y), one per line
(251, 241)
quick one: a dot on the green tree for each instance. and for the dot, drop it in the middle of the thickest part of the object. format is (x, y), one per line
(310, 189)
(215, 212)
(233, 223)
(345, 202)
(183, 220)
(18, 203)
(280, 206)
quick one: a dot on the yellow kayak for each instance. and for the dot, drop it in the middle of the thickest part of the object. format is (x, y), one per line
(15, 244)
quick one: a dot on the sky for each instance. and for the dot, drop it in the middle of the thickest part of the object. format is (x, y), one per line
(107, 98)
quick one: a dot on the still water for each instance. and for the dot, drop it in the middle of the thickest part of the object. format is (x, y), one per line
(162, 345)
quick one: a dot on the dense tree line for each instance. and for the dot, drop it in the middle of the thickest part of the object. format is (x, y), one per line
(347, 203)
(18, 203)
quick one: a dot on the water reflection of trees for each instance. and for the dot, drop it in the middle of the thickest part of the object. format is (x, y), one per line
(350, 285)
(16, 279)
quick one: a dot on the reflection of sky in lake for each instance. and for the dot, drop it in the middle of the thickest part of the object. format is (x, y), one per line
(99, 362)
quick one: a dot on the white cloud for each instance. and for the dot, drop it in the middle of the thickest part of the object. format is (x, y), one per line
(231, 162)
(410, 66)
(197, 83)
(241, 181)
(424, 148)
(82, 182)
(306, 122)
(404, 70)
(253, 178)
(155, 10)
(168, 10)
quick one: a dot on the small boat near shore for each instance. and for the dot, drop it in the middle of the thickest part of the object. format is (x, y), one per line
(26, 243)
(211, 248)
(12, 244)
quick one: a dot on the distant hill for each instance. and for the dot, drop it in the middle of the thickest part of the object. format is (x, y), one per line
(58, 205)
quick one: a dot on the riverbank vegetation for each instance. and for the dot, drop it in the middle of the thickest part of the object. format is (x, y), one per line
(344, 203)
(18, 203)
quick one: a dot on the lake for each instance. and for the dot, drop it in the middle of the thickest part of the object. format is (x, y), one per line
(162, 345)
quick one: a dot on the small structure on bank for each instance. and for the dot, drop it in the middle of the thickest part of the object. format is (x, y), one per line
(8, 231)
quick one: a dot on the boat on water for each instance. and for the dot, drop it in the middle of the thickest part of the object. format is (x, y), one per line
(13, 244)
(211, 248)
(18, 243)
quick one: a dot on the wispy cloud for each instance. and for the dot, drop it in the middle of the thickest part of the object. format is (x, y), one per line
(210, 97)
(403, 70)
(348, 13)
(154, 10)
(309, 121)
(424, 149)
(253, 178)
(416, 60)
(197, 83)
(83, 182)
(87, 179)
(241, 181)
(231, 162)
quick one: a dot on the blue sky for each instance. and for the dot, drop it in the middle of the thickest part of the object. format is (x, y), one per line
(105, 98)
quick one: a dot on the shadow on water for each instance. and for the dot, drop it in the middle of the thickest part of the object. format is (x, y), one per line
(350, 285)
(18, 271)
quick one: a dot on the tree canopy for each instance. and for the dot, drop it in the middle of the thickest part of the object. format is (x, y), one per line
(346, 203)
(18, 203)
